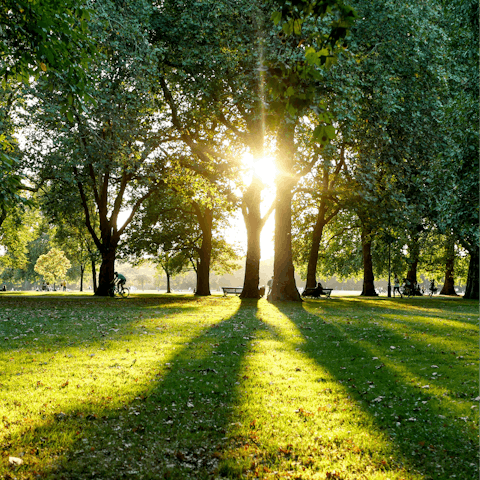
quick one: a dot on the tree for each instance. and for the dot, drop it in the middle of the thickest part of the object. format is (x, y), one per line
(454, 179)
(53, 265)
(385, 95)
(107, 149)
(237, 55)
(180, 226)
(318, 200)
(312, 40)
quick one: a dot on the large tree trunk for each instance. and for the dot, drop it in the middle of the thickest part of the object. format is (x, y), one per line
(107, 271)
(449, 285)
(205, 251)
(284, 287)
(368, 277)
(473, 286)
(254, 224)
(412, 272)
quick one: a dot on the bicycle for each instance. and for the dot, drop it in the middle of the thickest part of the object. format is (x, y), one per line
(119, 289)
(408, 291)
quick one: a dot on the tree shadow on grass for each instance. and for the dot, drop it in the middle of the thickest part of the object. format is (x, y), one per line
(402, 399)
(174, 428)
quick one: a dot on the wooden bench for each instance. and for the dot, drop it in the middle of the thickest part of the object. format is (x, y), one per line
(235, 290)
(317, 292)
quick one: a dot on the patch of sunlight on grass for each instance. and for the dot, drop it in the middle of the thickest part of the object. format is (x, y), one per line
(294, 419)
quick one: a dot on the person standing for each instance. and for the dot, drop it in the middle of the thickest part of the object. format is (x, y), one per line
(396, 287)
(269, 285)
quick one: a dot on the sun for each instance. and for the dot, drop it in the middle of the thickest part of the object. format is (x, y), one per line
(263, 167)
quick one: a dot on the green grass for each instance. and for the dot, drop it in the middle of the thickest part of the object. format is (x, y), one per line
(179, 387)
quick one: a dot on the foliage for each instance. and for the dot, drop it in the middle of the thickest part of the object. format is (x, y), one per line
(188, 387)
(53, 265)
(44, 36)
(108, 149)
(16, 232)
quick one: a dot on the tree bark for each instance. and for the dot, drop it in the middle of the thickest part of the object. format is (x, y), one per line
(412, 272)
(205, 251)
(107, 271)
(94, 276)
(368, 277)
(473, 286)
(168, 283)
(449, 284)
(82, 271)
(284, 287)
(254, 224)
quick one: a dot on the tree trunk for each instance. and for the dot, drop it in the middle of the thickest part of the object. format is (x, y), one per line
(284, 287)
(82, 271)
(368, 277)
(449, 285)
(94, 276)
(473, 286)
(412, 272)
(107, 271)
(168, 283)
(205, 252)
(253, 222)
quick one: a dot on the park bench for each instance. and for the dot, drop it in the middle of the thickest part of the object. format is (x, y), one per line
(317, 292)
(235, 290)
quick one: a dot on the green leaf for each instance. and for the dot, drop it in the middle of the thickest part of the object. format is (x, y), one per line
(290, 91)
(276, 17)
(297, 27)
(330, 131)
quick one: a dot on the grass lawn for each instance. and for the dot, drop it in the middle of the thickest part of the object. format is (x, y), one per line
(178, 387)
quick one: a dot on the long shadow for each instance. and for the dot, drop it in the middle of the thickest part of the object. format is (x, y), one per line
(176, 426)
(428, 307)
(421, 426)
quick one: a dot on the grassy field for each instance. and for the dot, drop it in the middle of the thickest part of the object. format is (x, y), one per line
(179, 387)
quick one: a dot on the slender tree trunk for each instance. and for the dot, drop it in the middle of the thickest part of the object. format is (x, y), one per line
(253, 222)
(473, 286)
(414, 256)
(449, 284)
(284, 287)
(205, 252)
(168, 283)
(82, 271)
(94, 276)
(368, 277)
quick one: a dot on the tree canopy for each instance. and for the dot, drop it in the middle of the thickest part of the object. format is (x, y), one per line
(144, 111)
